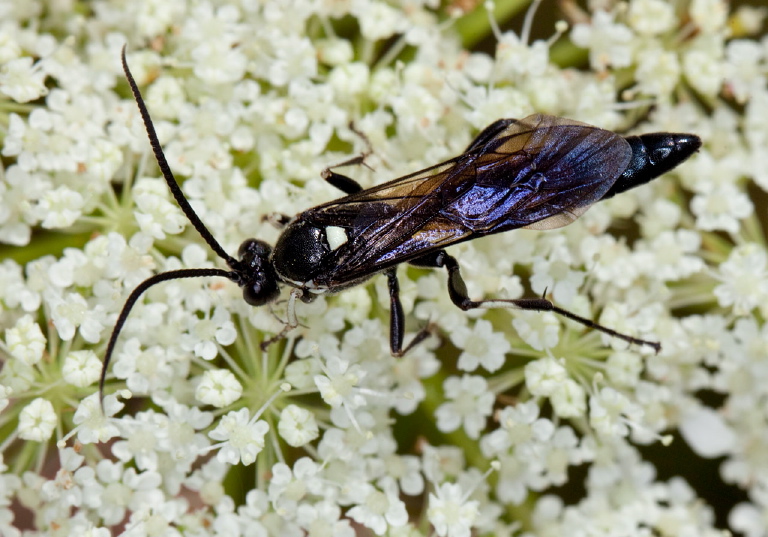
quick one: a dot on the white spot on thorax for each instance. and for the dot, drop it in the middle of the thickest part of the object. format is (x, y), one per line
(336, 236)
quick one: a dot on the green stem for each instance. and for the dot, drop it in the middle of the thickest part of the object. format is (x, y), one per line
(475, 26)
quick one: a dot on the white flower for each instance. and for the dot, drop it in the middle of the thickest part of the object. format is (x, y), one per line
(721, 208)
(609, 260)
(205, 333)
(651, 17)
(241, 438)
(217, 62)
(624, 368)
(380, 509)
(744, 279)
(609, 42)
(407, 470)
(470, 405)
(124, 488)
(709, 15)
(482, 346)
(142, 436)
(658, 72)
(218, 387)
(555, 275)
(703, 71)
(521, 58)
(339, 384)
(37, 420)
(708, 433)
(25, 340)
(81, 368)
(545, 376)
(539, 330)
(5, 396)
(297, 426)
(70, 312)
(22, 81)
(569, 400)
(609, 411)
(64, 488)
(144, 371)
(288, 488)
(377, 21)
(673, 254)
(60, 208)
(301, 373)
(93, 425)
(324, 518)
(160, 517)
(748, 519)
(183, 441)
(450, 512)
(156, 214)
(519, 425)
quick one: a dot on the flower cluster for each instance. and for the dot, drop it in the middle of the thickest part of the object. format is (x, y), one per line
(204, 430)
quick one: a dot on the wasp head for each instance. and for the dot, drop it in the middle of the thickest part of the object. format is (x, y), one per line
(259, 281)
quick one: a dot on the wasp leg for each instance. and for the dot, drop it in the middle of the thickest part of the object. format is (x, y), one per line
(278, 220)
(342, 182)
(457, 290)
(292, 321)
(397, 320)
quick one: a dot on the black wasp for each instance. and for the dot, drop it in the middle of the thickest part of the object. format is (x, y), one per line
(540, 172)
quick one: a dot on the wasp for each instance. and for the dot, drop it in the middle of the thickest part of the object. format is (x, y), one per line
(540, 172)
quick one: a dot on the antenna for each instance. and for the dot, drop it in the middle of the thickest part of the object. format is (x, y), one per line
(235, 275)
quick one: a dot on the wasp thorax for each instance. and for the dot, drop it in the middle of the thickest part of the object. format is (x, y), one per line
(301, 252)
(259, 278)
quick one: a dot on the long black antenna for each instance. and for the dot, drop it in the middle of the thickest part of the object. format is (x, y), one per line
(168, 174)
(234, 275)
(136, 294)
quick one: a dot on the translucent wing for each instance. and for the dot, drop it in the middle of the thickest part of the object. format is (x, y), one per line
(540, 172)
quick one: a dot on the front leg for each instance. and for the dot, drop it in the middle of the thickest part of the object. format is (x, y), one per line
(292, 321)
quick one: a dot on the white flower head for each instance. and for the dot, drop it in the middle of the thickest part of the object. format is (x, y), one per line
(81, 368)
(609, 42)
(22, 81)
(569, 401)
(288, 487)
(482, 346)
(380, 509)
(744, 279)
(218, 387)
(25, 340)
(297, 425)
(242, 439)
(651, 17)
(37, 420)
(611, 413)
(469, 405)
(92, 424)
(339, 384)
(539, 330)
(545, 376)
(450, 511)
(60, 208)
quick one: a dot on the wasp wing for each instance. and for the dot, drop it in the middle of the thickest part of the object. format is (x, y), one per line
(540, 172)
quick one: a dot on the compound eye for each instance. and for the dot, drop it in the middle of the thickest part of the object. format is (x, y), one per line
(260, 290)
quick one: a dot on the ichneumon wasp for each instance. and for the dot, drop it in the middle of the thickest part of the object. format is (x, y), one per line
(540, 172)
